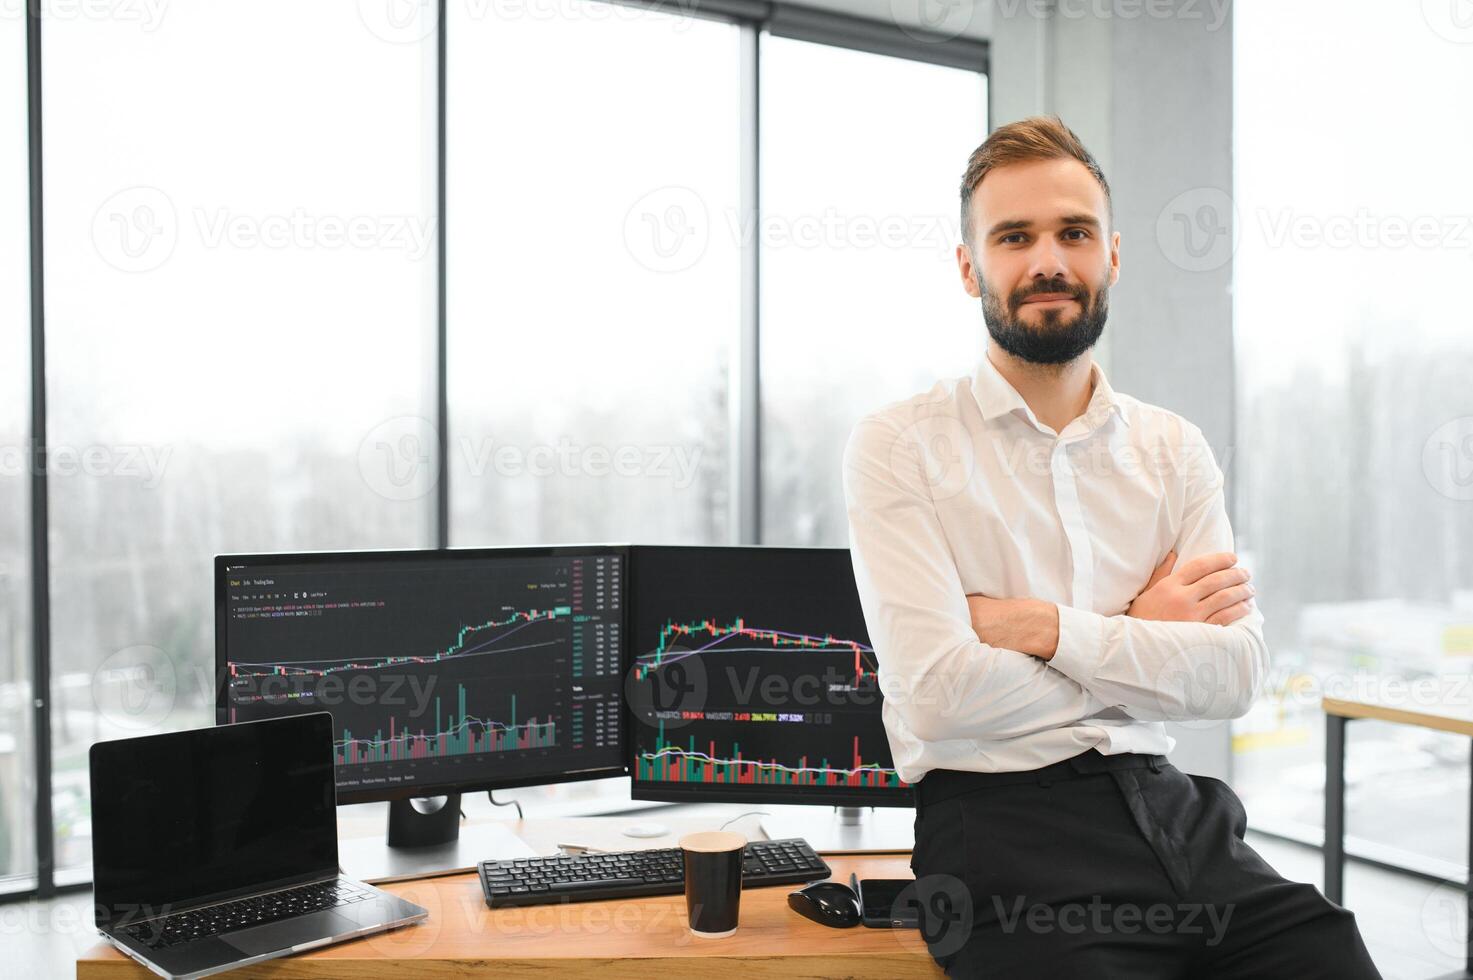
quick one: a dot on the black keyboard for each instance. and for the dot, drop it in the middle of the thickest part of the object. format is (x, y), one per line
(624, 874)
(186, 927)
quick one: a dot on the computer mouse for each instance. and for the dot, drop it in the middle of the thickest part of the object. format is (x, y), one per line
(829, 903)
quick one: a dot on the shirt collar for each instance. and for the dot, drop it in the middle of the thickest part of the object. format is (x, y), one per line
(996, 397)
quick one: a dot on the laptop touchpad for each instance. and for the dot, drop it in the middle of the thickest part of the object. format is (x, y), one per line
(290, 932)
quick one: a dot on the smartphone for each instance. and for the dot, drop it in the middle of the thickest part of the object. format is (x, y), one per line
(881, 906)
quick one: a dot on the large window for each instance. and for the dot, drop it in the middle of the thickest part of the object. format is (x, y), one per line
(1354, 464)
(593, 273)
(242, 334)
(239, 262)
(861, 300)
(17, 759)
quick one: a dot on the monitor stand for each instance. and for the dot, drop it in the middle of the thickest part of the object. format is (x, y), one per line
(426, 838)
(845, 830)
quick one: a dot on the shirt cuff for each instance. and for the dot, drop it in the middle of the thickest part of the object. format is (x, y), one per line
(1081, 644)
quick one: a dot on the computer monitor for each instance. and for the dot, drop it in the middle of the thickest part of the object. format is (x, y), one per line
(445, 672)
(752, 680)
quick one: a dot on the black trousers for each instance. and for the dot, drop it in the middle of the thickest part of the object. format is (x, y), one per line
(1113, 866)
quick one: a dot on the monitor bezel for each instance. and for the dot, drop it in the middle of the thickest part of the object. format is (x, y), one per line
(726, 793)
(429, 789)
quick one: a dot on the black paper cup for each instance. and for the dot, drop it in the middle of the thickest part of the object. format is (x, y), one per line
(713, 881)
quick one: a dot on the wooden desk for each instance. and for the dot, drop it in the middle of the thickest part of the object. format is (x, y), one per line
(1426, 709)
(622, 939)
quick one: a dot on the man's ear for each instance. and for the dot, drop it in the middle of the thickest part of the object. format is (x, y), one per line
(968, 270)
(1114, 258)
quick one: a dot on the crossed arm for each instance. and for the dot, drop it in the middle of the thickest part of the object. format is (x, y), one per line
(958, 666)
(1208, 589)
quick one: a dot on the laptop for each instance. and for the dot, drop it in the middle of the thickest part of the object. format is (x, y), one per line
(217, 848)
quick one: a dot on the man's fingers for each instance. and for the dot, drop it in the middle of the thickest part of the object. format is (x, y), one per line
(1220, 600)
(1205, 565)
(1217, 581)
(1162, 570)
(1230, 614)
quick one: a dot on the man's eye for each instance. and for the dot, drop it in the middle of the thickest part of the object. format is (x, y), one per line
(1077, 231)
(1015, 235)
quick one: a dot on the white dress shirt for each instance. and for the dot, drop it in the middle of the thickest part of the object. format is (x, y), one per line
(963, 490)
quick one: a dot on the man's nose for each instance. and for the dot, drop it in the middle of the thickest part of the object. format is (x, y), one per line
(1046, 261)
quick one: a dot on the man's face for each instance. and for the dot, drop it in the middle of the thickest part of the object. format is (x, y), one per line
(1040, 260)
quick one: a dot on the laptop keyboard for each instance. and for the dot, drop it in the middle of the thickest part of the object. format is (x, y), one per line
(186, 927)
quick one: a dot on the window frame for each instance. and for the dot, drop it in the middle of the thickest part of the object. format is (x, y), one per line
(754, 18)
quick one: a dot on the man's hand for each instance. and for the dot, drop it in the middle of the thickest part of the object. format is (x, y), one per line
(1208, 589)
(1028, 626)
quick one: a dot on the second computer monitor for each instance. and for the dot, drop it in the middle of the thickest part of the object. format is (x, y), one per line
(752, 679)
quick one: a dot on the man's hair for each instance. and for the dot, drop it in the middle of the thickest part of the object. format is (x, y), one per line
(1027, 140)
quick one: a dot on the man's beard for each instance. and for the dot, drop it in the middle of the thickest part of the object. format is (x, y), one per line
(1050, 342)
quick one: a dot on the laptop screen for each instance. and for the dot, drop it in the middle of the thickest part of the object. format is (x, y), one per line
(204, 815)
